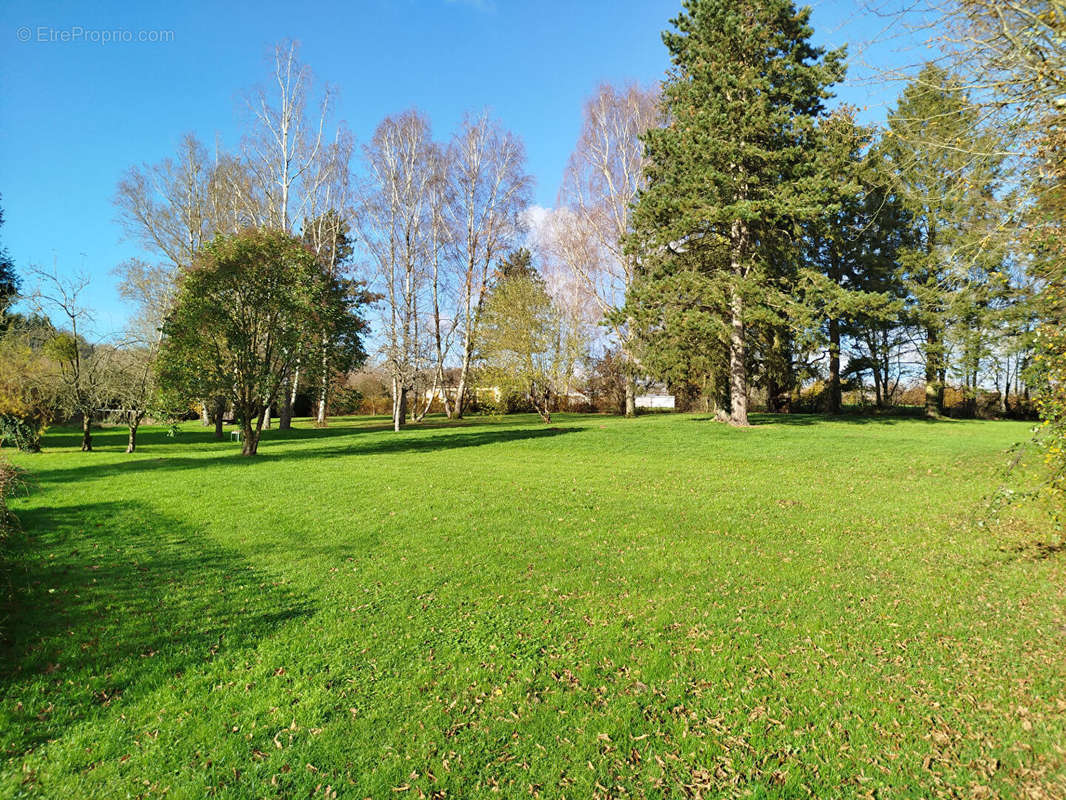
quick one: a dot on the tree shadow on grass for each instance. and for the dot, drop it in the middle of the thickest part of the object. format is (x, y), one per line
(153, 437)
(415, 440)
(109, 602)
(891, 417)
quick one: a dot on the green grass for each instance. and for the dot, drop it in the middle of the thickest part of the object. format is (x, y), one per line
(664, 607)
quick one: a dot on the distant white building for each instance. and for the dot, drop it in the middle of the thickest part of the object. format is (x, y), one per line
(660, 401)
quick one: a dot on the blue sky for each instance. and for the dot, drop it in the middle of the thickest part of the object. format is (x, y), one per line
(77, 114)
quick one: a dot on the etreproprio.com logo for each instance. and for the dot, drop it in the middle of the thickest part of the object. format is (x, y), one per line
(48, 34)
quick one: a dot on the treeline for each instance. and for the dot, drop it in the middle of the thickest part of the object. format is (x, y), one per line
(729, 235)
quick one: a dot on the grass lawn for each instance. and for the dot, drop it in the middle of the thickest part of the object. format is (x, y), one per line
(664, 607)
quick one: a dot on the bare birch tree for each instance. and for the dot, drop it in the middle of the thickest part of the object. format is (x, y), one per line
(393, 217)
(326, 232)
(283, 150)
(283, 141)
(442, 280)
(604, 174)
(489, 188)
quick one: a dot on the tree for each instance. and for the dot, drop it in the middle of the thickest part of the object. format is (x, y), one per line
(946, 174)
(847, 278)
(27, 399)
(297, 171)
(732, 165)
(79, 374)
(246, 311)
(169, 207)
(1009, 51)
(340, 343)
(9, 281)
(393, 218)
(174, 207)
(603, 177)
(1048, 371)
(525, 345)
(679, 312)
(134, 369)
(327, 231)
(282, 144)
(488, 189)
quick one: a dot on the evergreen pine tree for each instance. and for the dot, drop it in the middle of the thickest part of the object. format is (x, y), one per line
(731, 174)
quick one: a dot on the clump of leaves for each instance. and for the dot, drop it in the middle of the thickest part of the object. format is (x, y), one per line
(10, 482)
(1048, 370)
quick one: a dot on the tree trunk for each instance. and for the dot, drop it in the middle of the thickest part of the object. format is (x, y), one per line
(320, 417)
(323, 392)
(540, 403)
(250, 445)
(631, 396)
(460, 394)
(220, 412)
(738, 373)
(86, 434)
(738, 350)
(285, 417)
(250, 433)
(399, 405)
(205, 419)
(934, 391)
(266, 418)
(131, 445)
(834, 366)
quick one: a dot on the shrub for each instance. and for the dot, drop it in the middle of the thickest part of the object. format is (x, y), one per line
(23, 431)
(10, 482)
(344, 400)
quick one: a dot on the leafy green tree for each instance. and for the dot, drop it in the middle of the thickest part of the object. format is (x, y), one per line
(946, 172)
(1048, 371)
(27, 399)
(246, 311)
(526, 348)
(730, 175)
(847, 281)
(679, 314)
(517, 264)
(9, 281)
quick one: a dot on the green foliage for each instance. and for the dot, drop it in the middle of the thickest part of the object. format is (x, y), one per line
(517, 264)
(27, 393)
(10, 284)
(23, 431)
(1048, 371)
(847, 285)
(526, 348)
(730, 177)
(946, 171)
(10, 483)
(252, 307)
(661, 598)
(743, 99)
(679, 310)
